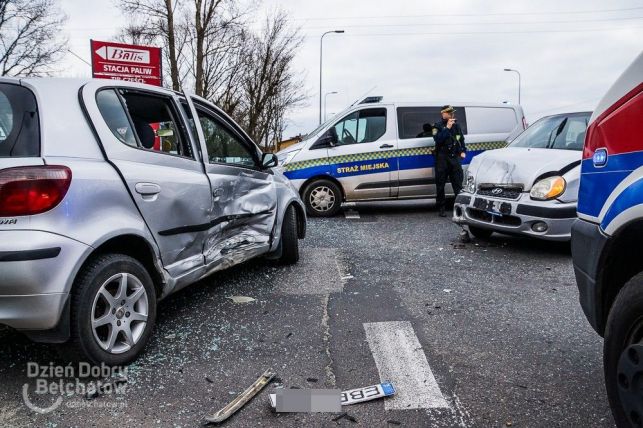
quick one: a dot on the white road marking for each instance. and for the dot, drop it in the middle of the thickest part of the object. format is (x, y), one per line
(400, 360)
(351, 214)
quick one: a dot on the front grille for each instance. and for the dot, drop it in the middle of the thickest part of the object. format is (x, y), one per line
(500, 191)
(505, 220)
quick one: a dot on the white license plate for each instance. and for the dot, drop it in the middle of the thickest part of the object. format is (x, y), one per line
(367, 393)
(357, 395)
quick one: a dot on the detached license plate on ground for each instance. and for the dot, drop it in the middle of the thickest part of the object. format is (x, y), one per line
(367, 393)
(492, 207)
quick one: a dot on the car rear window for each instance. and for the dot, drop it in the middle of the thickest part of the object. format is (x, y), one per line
(19, 125)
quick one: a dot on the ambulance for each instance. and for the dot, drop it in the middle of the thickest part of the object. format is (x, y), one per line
(608, 237)
(376, 150)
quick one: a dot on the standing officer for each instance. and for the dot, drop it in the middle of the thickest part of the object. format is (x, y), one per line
(449, 152)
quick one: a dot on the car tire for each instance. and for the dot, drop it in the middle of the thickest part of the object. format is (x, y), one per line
(480, 233)
(623, 354)
(323, 198)
(130, 317)
(289, 238)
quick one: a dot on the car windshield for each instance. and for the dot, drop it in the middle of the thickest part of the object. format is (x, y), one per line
(563, 131)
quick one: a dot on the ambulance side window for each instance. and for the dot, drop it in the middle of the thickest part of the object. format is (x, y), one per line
(364, 126)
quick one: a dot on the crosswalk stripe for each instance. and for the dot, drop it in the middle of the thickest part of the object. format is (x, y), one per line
(351, 214)
(400, 360)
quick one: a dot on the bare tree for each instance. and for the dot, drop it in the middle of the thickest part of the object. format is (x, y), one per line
(30, 42)
(137, 34)
(210, 48)
(217, 38)
(158, 17)
(271, 86)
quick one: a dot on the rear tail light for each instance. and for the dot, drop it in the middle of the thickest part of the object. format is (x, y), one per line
(32, 190)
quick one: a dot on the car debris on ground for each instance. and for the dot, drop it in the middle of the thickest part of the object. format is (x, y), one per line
(241, 299)
(241, 399)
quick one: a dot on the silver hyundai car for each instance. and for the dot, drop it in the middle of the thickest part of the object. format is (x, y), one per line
(529, 188)
(114, 195)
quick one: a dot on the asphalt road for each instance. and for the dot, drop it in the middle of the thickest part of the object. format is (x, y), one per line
(502, 339)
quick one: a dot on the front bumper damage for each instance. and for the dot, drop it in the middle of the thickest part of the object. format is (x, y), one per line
(522, 216)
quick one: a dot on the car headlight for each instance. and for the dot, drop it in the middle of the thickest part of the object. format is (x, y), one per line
(548, 188)
(285, 158)
(470, 183)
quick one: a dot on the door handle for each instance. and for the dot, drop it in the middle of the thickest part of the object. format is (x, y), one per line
(386, 146)
(147, 188)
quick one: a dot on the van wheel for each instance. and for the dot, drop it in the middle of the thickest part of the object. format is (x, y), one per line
(623, 355)
(289, 239)
(323, 198)
(480, 233)
(113, 310)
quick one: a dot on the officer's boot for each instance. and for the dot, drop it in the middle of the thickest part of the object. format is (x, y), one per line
(442, 213)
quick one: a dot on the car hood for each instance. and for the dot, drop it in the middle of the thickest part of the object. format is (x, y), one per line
(518, 165)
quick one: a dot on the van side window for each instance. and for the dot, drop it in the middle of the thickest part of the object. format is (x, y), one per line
(415, 122)
(222, 144)
(492, 120)
(364, 126)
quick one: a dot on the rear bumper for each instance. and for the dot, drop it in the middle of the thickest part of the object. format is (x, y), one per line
(37, 270)
(588, 245)
(525, 212)
(32, 312)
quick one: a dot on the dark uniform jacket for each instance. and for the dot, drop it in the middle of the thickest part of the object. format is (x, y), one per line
(449, 142)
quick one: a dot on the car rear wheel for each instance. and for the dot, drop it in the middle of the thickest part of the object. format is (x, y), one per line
(480, 233)
(289, 238)
(113, 310)
(323, 198)
(623, 355)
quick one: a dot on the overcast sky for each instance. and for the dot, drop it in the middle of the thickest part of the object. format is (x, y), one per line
(568, 52)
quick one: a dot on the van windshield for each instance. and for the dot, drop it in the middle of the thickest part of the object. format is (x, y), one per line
(19, 126)
(563, 131)
(326, 123)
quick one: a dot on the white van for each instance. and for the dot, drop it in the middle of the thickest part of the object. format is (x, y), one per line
(381, 151)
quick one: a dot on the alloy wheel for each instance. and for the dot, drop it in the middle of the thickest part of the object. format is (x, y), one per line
(119, 313)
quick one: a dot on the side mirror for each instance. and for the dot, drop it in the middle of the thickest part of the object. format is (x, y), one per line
(269, 160)
(165, 133)
(329, 139)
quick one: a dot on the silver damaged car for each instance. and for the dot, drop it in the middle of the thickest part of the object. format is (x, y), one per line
(114, 195)
(530, 187)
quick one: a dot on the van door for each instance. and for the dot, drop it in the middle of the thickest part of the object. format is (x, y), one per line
(145, 138)
(363, 159)
(244, 206)
(416, 160)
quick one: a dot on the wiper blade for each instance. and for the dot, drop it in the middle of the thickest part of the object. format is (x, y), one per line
(558, 132)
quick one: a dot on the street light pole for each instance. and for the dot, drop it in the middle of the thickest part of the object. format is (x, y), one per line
(321, 51)
(519, 82)
(325, 99)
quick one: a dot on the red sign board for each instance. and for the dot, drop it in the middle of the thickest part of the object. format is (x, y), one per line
(133, 63)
